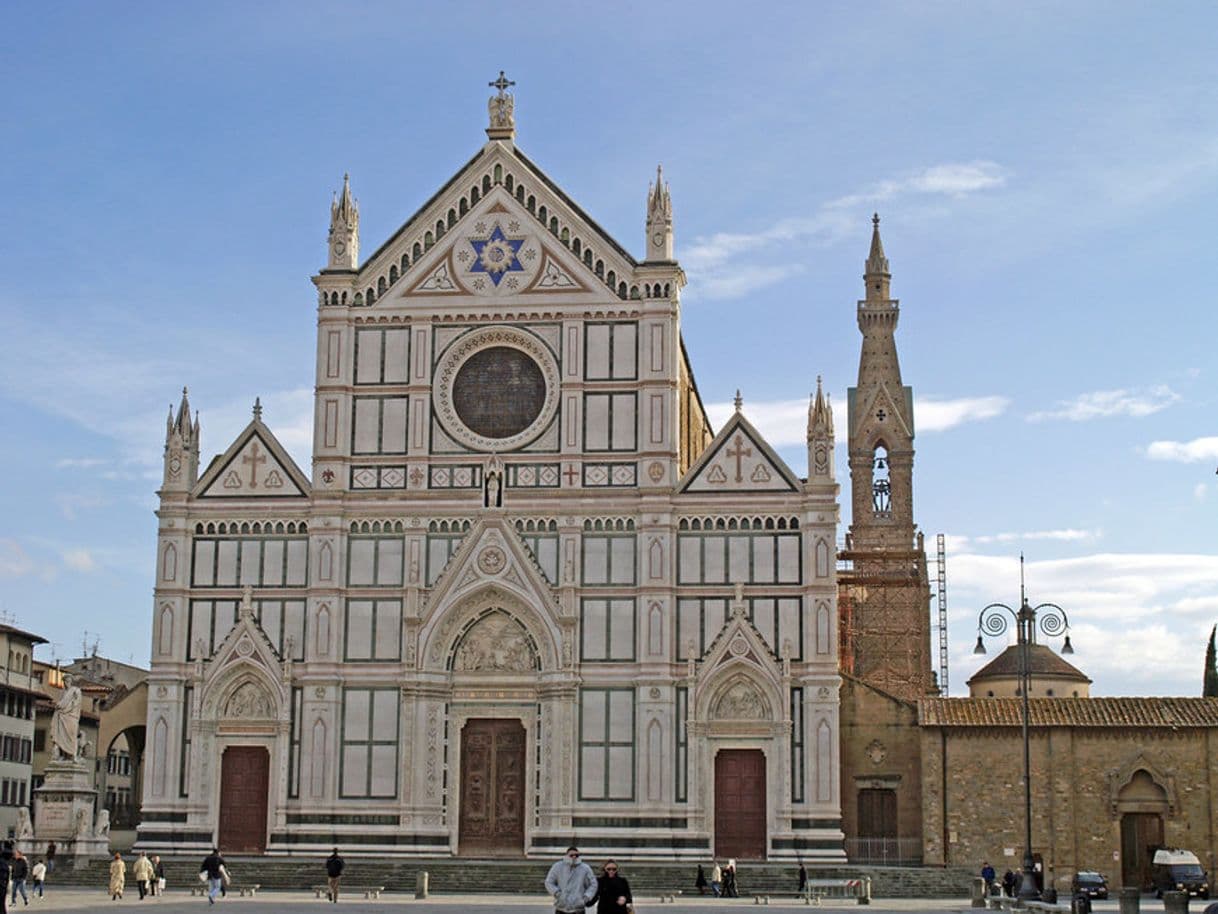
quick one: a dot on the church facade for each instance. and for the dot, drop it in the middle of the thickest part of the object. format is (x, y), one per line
(523, 596)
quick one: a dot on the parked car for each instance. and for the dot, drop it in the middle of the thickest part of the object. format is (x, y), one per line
(1174, 870)
(1091, 884)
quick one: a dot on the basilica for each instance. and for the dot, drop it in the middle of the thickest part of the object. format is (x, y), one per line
(526, 595)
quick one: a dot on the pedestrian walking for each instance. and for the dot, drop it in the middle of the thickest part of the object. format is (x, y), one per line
(988, 874)
(803, 879)
(19, 872)
(158, 874)
(334, 874)
(143, 874)
(38, 875)
(213, 866)
(6, 863)
(613, 891)
(729, 879)
(51, 849)
(716, 880)
(700, 881)
(118, 876)
(571, 883)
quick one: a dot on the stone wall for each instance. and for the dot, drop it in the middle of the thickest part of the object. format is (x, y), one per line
(972, 797)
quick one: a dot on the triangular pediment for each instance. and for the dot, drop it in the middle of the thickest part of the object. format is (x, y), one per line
(491, 554)
(254, 466)
(739, 460)
(878, 413)
(739, 677)
(449, 246)
(499, 251)
(245, 676)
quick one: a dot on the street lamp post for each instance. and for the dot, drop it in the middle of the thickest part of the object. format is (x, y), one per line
(1051, 619)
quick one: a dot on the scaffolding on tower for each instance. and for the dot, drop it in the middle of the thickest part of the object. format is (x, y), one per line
(942, 562)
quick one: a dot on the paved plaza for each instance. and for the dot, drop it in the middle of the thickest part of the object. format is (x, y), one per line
(275, 902)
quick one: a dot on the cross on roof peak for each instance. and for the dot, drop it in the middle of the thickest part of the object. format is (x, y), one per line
(502, 83)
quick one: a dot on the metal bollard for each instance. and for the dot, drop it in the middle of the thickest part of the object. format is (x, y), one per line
(420, 884)
(1175, 902)
(865, 895)
(1131, 900)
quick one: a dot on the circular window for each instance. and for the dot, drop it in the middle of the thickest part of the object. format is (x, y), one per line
(499, 392)
(496, 388)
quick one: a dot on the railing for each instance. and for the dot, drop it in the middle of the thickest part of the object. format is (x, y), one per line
(885, 851)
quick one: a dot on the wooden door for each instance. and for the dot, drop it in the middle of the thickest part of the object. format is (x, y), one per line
(244, 784)
(740, 804)
(1141, 836)
(492, 788)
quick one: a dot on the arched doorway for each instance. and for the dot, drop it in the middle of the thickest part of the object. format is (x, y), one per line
(1141, 804)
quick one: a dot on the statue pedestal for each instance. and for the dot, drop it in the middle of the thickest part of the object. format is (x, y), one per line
(63, 813)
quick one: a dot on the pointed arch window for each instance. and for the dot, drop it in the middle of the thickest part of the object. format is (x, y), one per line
(881, 483)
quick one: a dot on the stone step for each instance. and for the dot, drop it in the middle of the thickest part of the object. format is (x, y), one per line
(449, 875)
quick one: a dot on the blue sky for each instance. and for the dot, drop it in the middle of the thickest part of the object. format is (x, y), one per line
(1047, 175)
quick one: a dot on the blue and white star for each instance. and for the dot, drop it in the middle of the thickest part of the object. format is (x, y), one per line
(496, 255)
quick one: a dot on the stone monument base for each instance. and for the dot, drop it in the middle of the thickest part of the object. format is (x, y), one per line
(63, 813)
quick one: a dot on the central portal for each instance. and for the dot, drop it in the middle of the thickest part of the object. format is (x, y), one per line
(492, 788)
(740, 804)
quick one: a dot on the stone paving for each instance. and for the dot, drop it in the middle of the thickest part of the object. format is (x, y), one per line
(180, 902)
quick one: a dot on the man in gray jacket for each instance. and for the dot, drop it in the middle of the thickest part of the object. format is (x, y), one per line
(571, 883)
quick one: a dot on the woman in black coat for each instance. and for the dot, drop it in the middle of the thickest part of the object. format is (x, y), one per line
(613, 893)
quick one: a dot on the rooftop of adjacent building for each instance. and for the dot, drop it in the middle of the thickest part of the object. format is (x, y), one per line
(1042, 661)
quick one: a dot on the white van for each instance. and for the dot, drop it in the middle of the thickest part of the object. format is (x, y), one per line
(1174, 870)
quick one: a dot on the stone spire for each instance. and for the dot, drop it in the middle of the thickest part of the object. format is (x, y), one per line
(181, 448)
(877, 276)
(820, 435)
(502, 110)
(659, 220)
(344, 230)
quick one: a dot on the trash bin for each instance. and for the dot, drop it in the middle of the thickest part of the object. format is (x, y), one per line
(1080, 904)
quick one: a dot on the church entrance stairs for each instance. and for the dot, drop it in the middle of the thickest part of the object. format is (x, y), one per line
(457, 876)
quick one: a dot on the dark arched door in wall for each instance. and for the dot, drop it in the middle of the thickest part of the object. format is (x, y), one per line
(492, 788)
(1141, 833)
(740, 804)
(244, 785)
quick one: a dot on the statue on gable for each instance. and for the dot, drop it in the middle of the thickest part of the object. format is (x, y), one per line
(65, 723)
(24, 828)
(500, 107)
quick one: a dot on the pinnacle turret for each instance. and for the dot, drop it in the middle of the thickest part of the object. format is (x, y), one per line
(659, 219)
(877, 276)
(181, 448)
(820, 435)
(344, 230)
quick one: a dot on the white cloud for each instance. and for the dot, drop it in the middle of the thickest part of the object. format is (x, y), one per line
(713, 261)
(1184, 451)
(70, 504)
(79, 560)
(953, 179)
(1067, 535)
(1102, 404)
(1137, 619)
(940, 415)
(785, 422)
(1200, 490)
(15, 562)
(81, 463)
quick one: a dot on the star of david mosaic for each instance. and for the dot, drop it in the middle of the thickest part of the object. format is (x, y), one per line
(496, 255)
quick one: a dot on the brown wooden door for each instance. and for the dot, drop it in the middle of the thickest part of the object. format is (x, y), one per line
(244, 785)
(740, 804)
(492, 787)
(1141, 836)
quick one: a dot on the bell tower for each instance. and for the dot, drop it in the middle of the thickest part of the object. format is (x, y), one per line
(884, 601)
